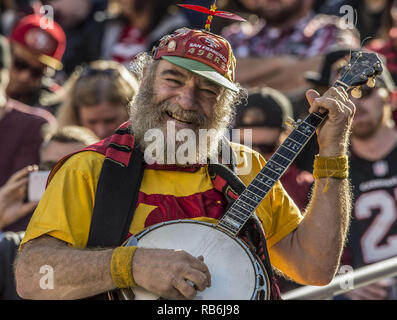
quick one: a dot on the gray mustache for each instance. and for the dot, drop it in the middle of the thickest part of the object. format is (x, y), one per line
(187, 115)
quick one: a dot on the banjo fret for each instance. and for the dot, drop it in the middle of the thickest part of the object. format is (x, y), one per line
(242, 208)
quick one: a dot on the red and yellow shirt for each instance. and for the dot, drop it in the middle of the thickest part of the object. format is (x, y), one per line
(66, 208)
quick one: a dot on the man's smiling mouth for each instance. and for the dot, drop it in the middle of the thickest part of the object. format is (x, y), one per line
(176, 117)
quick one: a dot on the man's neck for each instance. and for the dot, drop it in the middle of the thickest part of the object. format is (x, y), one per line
(377, 146)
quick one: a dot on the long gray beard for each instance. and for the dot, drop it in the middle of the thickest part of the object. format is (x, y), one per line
(163, 145)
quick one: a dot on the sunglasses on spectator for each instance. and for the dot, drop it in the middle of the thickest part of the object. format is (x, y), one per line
(22, 65)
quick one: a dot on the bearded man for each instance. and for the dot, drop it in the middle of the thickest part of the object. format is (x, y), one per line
(188, 83)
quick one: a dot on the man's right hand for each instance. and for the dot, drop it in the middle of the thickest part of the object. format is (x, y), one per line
(166, 272)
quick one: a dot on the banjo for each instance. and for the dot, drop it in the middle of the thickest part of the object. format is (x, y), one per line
(226, 255)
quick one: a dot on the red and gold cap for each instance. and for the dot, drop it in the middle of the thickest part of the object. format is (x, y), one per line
(201, 52)
(47, 43)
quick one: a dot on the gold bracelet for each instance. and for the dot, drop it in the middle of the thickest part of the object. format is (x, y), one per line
(121, 267)
(331, 167)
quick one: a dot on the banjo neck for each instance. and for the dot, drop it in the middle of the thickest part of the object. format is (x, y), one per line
(240, 211)
(362, 69)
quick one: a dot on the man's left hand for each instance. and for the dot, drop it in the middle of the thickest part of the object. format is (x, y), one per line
(333, 134)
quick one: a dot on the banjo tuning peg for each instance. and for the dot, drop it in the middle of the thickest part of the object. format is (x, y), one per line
(290, 122)
(371, 82)
(356, 92)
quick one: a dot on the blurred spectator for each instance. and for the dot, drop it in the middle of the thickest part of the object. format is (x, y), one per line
(9, 243)
(387, 46)
(12, 11)
(97, 97)
(20, 126)
(15, 212)
(83, 23)
(331, 66)
(373, 16)
(373, 153)
(137, 27)
(35, 53)
(287, 40)
(56, 145)
(374, 19)
(373, 177)
(265, 114)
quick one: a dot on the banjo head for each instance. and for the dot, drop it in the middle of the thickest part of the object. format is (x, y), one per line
(236, 274)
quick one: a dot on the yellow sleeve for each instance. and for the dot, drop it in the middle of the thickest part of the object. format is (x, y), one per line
(65, 210)
(278, 212)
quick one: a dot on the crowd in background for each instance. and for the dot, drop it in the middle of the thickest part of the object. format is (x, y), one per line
(68, 85)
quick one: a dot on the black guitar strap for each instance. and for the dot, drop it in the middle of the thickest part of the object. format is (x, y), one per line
(115, 200)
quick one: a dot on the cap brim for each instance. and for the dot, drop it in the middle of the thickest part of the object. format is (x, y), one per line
(202, 70)
(50, 61)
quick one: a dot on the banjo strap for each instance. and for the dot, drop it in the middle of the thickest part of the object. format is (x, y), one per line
(120, 177)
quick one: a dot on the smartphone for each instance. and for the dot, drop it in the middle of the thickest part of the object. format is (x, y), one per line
(36, 185)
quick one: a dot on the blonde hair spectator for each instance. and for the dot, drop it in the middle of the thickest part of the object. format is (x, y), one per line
(97, 97)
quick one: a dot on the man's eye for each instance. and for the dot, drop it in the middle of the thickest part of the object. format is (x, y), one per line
(174, 81)
(209, 92)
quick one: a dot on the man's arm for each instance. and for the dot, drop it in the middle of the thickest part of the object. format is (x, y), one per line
(77, 273)
(81, 273)
(312, 252)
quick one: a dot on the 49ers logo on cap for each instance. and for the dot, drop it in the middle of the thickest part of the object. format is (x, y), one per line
(211, 42)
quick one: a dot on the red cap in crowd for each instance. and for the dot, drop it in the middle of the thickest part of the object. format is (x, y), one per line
(202, 53)
(43, 37)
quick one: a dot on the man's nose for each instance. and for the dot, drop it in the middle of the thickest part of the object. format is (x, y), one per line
(187, 97)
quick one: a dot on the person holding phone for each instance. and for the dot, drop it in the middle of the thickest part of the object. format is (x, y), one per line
(14, 210)
(16, 204)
